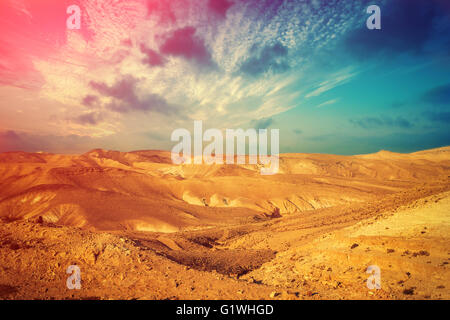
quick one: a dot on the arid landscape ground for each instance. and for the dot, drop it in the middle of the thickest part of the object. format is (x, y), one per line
(140, 227)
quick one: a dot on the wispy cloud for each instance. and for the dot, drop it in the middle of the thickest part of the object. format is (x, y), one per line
(439, 96)
(336, 80)
(156, 63)
(262, 123)
(125, 98)
(220, 7)
(269, 58)
(380, 122)
(327, 103)
(438, 116)
(90, 118)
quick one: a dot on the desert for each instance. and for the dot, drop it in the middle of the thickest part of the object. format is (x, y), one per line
(140, 227)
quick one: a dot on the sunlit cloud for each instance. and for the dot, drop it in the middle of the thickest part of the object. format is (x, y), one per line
(149, 65)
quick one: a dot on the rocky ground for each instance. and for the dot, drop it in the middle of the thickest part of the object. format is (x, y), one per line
(321, 254)
(139, 227)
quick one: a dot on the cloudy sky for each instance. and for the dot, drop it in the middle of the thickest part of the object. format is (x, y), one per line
(138, 69)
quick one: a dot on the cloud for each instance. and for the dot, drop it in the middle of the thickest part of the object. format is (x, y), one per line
(220, 7)
(262, 123)
(443, 117)
(11, 141)
(121, 90)
(89, 100)
(9, 134)
(340, 143)
(269, 58)
(184, 43)
(398, 104)
(162, 9)
(126, 100)
(152, 102)
(152, 58)
(127, 42)
(335, 80)
(326, 103)
(405, 27)
(30, 142)
(321, 137)
(90, 118)
(380, 122)
(438, 95)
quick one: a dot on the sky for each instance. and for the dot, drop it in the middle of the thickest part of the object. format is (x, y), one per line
(138, 69)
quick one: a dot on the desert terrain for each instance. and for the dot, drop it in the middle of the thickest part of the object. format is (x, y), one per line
(140, 227)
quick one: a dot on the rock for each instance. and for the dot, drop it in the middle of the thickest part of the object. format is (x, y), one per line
(409, 291)
(274, 294)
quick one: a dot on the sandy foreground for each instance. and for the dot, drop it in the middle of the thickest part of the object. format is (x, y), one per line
(139, 227)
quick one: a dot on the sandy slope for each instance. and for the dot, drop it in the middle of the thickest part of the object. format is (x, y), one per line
(140, 227)
(409, 244)
(111, 190)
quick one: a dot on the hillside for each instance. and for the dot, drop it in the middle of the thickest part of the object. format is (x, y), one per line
(133, 221)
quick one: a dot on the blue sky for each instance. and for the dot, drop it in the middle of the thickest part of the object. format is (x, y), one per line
(139, 69)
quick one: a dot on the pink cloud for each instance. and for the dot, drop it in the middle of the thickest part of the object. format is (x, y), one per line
(220, 6)
(163, 9)
(31, 29)
(184, 43)
(152, 58)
